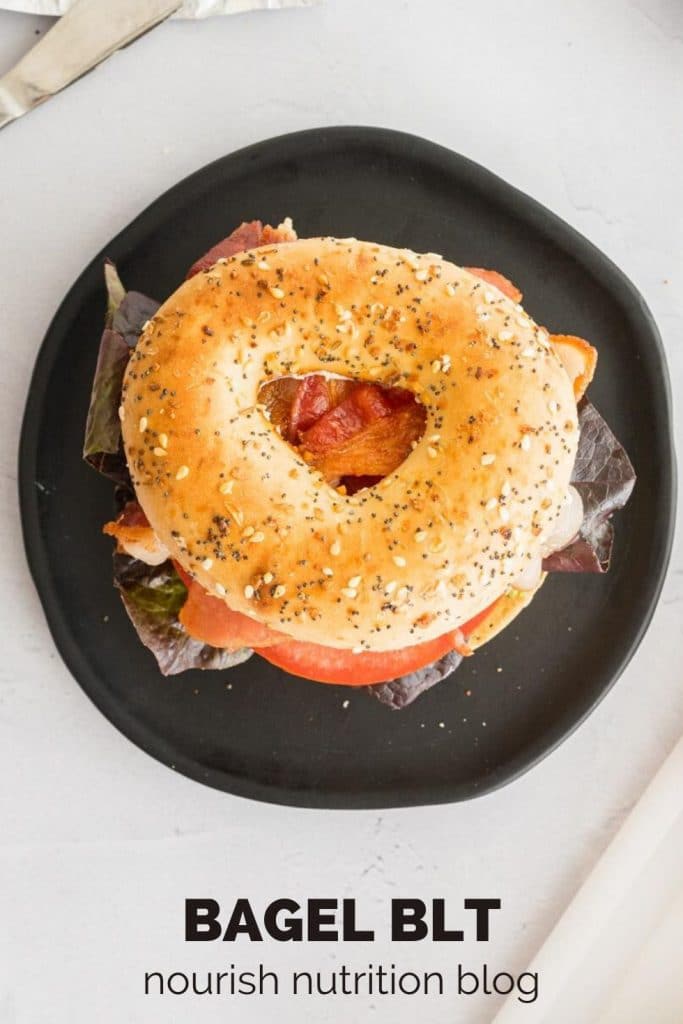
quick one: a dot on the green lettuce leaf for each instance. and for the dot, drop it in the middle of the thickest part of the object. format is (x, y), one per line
(153, 596)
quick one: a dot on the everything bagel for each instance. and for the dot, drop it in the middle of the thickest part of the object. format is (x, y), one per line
(472, 506)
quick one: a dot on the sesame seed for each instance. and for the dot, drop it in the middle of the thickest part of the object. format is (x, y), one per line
(248, 531)
(335, 548)
(491, 503)
(183, 471)
(279, 591)
(163, 440)
(504, 515)
(249, 591)
(226, 488)
(553, 406)
(349, 592)
(390, 587)
(435, 438)
(421, 275)
(357, 650)
(258, 538)
(450, 289)
(323, 279)
(431, 452)
(268, 577)
(505, 335)
(160, 452)
(327, 571)
(207, 563)
(277, 293)
(345, 704)
(121, 413)
(400, 561)
(488, 458)
(142, 425)
(526, 443)
(522, 321)
(263, 265)
(436, 366)
(489, 297)
(220, 590)
(355, 581)
(528, 352)
(505, 489)
(420, 535)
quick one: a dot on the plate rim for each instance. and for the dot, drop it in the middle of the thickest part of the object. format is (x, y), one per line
(154, 744)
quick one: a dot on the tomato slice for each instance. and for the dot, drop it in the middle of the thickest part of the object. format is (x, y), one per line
(333, 665)
(210, 620)
(498, 281)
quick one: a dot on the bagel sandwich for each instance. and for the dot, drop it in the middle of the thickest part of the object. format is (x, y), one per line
(357, 461)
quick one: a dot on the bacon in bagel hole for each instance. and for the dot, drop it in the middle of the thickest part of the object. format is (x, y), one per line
(354, 432)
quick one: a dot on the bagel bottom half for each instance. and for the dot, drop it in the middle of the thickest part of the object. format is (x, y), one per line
(503, 612)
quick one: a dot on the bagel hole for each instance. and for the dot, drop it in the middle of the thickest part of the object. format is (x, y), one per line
(355, 432)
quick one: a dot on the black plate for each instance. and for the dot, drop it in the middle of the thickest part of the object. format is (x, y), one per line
(254, 731)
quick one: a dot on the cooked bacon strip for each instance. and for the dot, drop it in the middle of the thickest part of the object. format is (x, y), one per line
(294, 404)
(248, 235)
(498, 281)
(365, 404)
(376, 450)
(368, 434)
(135, 537)
(311, 401)
(355, 483)
(579, 359)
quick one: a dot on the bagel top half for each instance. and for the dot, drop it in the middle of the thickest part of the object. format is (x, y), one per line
(396, 564)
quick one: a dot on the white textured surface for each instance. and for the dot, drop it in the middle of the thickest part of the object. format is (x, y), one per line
(579, 105)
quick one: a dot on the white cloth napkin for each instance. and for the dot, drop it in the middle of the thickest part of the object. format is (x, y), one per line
(614, 957)
(190, 9)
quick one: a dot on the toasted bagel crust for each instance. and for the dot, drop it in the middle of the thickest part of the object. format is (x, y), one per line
(395, 564)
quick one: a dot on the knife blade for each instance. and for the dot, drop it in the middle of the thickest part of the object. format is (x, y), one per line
(86, 35)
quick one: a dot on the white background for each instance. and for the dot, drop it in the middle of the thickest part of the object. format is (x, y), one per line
(579, 104)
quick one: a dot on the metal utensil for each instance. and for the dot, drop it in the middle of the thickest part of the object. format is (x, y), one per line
(85, 36)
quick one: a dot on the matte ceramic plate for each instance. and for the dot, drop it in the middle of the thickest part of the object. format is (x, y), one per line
(253, 730)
